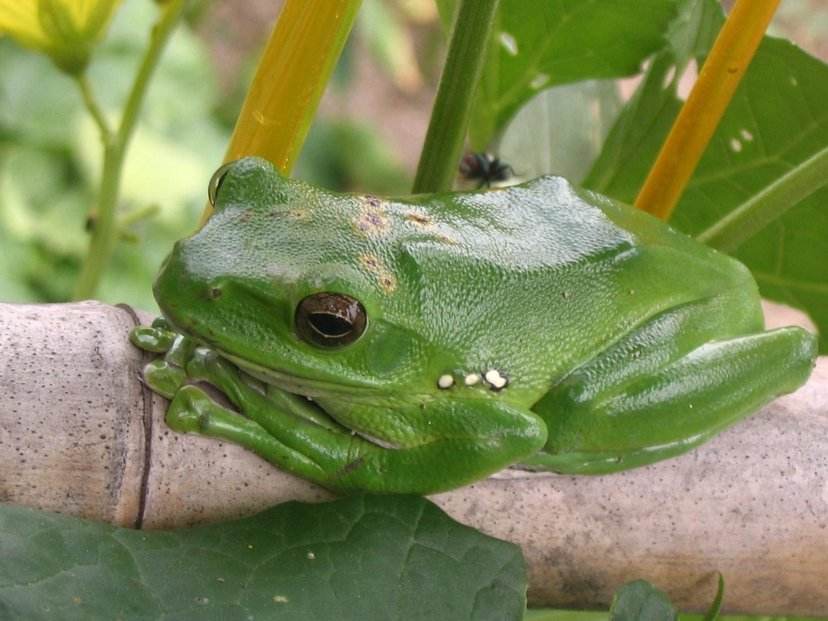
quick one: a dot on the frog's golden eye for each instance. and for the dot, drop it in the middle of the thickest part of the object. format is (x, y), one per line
(215, 182)
(330, 319)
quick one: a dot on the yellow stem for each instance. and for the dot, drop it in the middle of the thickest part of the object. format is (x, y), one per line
(292, 74)
(728, 60)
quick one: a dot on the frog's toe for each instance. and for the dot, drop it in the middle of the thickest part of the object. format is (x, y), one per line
(204, 364)
(161, 323)
(164, 378)
(152, 339)
(207, 366)
(189, 410)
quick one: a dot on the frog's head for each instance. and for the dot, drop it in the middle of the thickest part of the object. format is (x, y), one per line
(298, 286)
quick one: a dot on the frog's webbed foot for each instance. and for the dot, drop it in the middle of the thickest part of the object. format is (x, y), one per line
(621, 411)
(164, 375)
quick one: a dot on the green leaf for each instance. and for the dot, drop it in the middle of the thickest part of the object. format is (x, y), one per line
(641, 601)
(361, 558)
(564, 615)
(776, 121)
(538, 44)
(692, 32)
(715, 608)
(637, 135)
(561, 131)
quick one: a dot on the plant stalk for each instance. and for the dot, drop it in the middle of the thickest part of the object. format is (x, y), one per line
(102, 241)
(93, 108)
(769, 204)
(455, 94)
(730, 57)
(294, 69)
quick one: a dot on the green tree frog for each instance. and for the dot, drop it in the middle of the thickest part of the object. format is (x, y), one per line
(417, 344)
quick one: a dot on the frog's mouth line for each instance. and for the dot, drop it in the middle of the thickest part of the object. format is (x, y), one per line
(298, 385)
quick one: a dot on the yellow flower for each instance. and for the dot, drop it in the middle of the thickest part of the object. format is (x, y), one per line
(66, 30)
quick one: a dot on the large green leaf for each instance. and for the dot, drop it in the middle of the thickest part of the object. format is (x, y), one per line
(538, 44)
(361, 558)
(692, 32)
(561, 130)
(776, 121)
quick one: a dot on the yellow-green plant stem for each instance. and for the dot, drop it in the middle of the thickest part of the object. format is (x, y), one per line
(294, 69)
(92, 107)
(104, 230)
(452, 107)
(763, 208)
(728, 60)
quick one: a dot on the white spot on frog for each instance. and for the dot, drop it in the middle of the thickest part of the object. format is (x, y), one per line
(735, 145)
(746, 135)
(495, 379)
(539, 81)
(509, 44)
(280, 599)
(793, 81)
(471, 379)
(445, 381)
(311, 556)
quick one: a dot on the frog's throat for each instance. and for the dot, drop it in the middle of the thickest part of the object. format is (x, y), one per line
(301, 385)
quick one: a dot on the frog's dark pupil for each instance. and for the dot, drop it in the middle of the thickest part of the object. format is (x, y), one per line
(330, 325)
(329, 319)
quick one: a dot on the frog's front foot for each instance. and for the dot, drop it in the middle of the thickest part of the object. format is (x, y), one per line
(168, 374)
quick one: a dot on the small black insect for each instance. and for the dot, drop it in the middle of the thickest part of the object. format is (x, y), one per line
(484, 168)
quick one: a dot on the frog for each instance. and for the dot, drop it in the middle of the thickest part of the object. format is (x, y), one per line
(418, 344)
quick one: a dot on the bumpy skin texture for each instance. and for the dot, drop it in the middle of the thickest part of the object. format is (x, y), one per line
(620, 341)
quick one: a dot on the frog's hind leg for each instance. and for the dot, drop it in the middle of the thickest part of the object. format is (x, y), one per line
(654, 395)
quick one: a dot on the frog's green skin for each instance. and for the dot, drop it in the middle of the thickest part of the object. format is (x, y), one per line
(622, 341)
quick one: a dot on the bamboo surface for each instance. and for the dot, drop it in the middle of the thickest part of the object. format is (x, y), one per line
(80, 434)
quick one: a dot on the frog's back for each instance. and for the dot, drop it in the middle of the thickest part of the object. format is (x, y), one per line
(538, 278)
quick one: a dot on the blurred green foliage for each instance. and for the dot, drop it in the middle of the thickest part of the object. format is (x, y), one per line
(50, 155)
(50, 162)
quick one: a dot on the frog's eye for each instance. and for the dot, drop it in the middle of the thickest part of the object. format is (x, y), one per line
(330, 319)
(215, 182)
